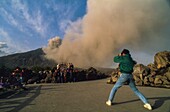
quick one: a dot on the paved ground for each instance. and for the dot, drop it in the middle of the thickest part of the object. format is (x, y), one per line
(83, 97)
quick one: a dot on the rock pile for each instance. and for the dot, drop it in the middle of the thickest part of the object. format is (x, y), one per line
(90, 74)
(155, 74)
(80, 75)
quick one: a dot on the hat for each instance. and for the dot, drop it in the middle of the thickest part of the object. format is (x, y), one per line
(125, 51)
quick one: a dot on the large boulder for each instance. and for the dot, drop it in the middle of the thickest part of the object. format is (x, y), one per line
(153, 69)
(162, 59)
(141, 71)
(146, 81)
(151, 79)
(113, 79)
(167, 73)
(91, 74)
(81, 75)
(158, 80)
(138, 81)
(166, 82)
(114, 76)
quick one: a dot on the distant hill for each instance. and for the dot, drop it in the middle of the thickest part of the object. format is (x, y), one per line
(28, 59)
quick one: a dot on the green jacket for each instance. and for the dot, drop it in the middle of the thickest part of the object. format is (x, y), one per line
(126, 63)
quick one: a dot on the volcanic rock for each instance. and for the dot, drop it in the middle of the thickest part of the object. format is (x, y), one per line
(155, 74)
(162, 59)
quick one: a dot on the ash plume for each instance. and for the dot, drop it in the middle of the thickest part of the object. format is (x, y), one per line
(111, 25)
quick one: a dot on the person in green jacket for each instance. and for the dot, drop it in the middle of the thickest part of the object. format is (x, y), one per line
(126, 64)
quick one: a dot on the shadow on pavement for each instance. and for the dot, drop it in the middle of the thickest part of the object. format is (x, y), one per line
(159, 101)
(6, 94)
(20, 101)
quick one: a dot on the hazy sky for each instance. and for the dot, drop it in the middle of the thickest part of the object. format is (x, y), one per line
(29, 24)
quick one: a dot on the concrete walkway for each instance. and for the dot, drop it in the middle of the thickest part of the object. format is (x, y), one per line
(87, 96)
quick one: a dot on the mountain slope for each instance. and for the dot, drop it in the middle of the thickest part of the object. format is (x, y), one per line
(27, 59)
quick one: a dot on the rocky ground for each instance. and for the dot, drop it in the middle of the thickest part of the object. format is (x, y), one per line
(88, 96)
(155, 74)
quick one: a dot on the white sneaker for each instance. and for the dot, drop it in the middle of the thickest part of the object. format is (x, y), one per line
(109, 103)
(148, 106)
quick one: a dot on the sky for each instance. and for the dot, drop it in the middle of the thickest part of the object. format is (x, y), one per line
(28, 24)
(109, 26)
(92, 31)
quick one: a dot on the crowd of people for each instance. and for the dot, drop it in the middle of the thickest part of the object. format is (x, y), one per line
(14, 81)
(62, 73)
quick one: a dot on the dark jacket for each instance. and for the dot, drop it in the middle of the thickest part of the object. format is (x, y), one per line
(126, 63)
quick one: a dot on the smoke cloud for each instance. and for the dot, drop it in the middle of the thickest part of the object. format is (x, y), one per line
(108, 27)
